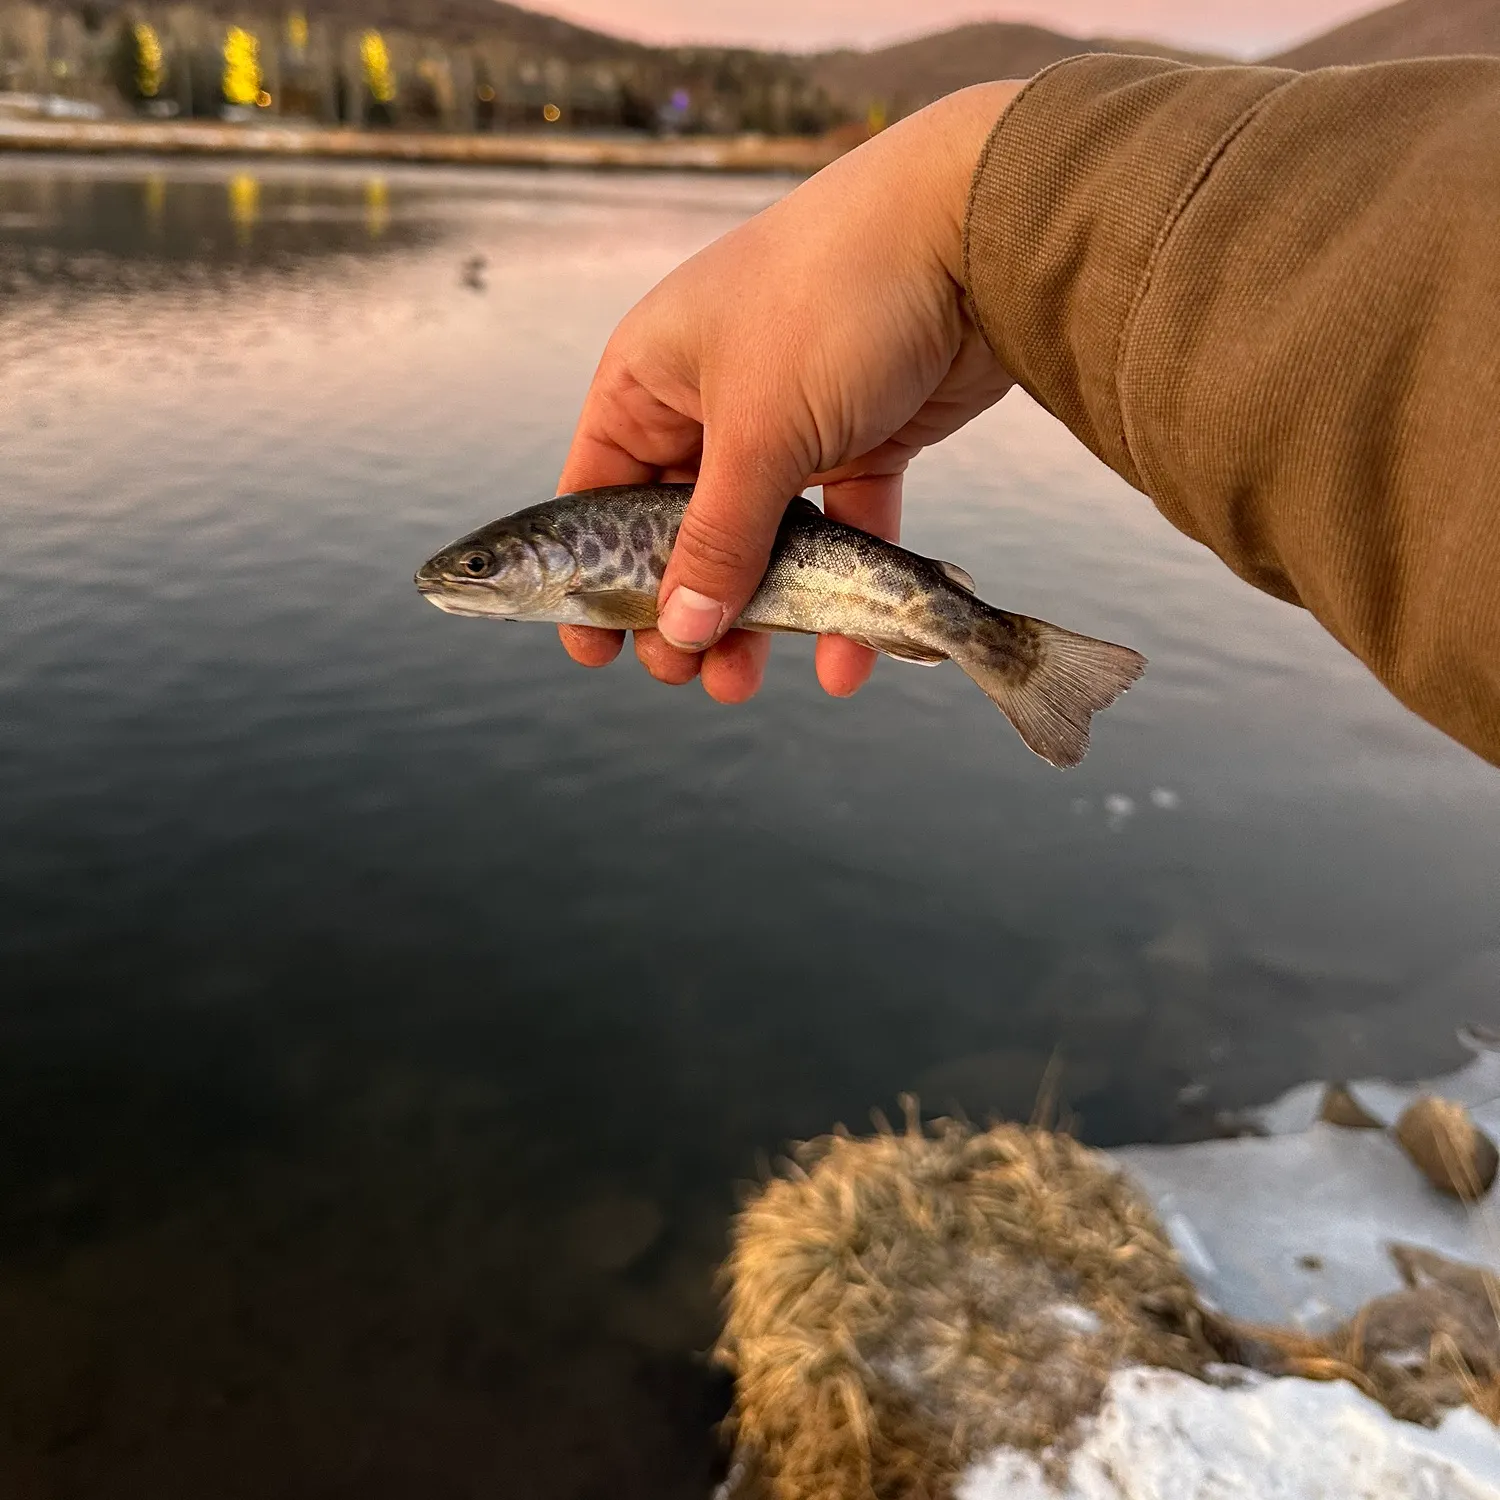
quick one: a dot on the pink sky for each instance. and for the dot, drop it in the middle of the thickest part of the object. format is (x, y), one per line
(1248, 28)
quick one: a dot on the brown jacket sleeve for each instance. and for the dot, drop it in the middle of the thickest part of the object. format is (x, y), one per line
(1271, 301)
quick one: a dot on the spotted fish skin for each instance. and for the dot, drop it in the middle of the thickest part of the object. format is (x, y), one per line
(597, 558)
(618, 548)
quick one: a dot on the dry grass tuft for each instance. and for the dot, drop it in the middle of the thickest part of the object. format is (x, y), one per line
(902, 1304)
(1419, 1352)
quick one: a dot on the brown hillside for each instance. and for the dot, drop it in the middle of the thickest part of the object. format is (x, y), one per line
(910, 74)
(452, 21)
(1412, 28)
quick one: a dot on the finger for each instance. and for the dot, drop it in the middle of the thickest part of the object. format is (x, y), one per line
(870, 501)
(590, 647)
(666, 663)
(734, 669)
(726, 535)
(873, 503)
(595, 460)
(626, 433)
(843, 666)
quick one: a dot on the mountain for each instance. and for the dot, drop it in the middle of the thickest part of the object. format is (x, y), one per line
(910, 74)
(473, 20)
(451, 21)
(1412, 28)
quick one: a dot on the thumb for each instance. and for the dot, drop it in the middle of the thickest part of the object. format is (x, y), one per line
(725, 540)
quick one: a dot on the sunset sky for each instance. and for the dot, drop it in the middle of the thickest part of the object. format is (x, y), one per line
(1249, 28)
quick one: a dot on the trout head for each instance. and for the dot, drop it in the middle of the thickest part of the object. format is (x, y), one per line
(515, 569)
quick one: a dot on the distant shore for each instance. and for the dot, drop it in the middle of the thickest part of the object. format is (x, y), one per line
(747, 153)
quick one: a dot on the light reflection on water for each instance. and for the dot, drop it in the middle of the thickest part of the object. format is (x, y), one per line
(389, 1008)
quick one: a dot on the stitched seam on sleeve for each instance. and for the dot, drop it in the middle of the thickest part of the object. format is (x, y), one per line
(977, 177)
(1164, 235)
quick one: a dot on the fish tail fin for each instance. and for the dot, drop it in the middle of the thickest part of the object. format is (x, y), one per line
(1047, 681)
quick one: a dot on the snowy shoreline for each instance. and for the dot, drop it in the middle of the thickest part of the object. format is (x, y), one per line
(1007, 1315)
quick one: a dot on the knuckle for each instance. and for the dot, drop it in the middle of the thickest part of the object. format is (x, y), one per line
(715, 545)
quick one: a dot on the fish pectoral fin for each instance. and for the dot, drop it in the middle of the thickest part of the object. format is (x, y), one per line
(620, 609)
(901, 650)
(956, 574)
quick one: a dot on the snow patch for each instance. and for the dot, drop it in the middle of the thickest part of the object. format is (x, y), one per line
(1078, 1319)
(1294, 1228)
(1165, 1436)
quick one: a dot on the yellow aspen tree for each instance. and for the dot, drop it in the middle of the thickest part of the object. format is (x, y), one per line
(241, 67)
(149, 68)
(380, 78)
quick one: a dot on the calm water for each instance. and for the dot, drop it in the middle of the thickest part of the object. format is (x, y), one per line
(388, 1009)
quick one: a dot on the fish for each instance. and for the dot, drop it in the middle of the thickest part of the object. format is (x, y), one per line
(596, 557)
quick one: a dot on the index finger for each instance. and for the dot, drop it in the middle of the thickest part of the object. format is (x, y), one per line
(873, 503)
(595, 460)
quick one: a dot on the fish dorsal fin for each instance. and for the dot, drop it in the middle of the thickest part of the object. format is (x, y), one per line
(956, 574)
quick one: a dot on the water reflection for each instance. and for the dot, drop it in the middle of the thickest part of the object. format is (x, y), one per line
(377, 207)
(167, 223)
(388, 1010)
(156, 200)
(244, 204)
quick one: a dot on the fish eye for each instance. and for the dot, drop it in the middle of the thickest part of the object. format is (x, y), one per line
(477, 564)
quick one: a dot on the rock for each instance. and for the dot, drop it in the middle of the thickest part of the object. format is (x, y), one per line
(1340, 1107)
(1455, 1155)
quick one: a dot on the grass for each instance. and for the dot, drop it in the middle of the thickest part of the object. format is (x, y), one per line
(900, 1305)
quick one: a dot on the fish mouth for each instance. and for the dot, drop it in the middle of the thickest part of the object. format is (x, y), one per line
(453, 596)
(445, 597)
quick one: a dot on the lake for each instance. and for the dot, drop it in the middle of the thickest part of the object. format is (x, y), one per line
(391, 1012)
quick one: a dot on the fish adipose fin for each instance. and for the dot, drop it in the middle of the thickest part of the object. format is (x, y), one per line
(1048, 681)
(956, 574)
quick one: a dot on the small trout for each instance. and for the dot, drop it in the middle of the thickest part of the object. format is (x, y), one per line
(597, 558)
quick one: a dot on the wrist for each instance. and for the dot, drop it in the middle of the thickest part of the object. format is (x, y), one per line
(954, 131)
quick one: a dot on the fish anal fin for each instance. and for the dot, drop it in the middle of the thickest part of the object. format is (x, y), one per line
(920, 656)
(956, 574)
(620, 609)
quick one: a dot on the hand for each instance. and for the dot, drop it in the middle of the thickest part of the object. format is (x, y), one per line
(825, 342)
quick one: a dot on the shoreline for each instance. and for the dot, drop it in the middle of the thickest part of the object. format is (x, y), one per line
(799, 155)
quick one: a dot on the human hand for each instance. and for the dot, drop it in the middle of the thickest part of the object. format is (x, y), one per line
(823, 342)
